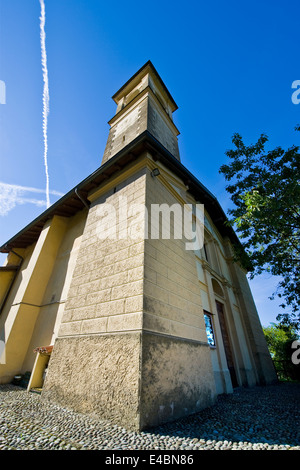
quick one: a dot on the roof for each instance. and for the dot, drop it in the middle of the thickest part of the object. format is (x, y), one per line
(148, 65)
(76, 199)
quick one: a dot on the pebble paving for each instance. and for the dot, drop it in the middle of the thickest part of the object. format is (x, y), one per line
(258, 418)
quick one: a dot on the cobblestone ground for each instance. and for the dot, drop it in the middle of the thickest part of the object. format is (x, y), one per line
(249, 419)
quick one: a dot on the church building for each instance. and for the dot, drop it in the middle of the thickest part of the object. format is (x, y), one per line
(108, 301)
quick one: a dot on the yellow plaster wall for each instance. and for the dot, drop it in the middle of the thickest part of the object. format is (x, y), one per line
(6, 278)
(22, 310)
(55, 296)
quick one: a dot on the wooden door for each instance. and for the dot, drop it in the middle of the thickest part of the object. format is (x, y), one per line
(226, 342)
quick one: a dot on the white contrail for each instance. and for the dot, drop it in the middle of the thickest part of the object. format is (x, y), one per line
(28, 188)
(45, 95)
(12, 195)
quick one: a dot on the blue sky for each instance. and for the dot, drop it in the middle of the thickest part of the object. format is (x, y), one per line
(229, 65)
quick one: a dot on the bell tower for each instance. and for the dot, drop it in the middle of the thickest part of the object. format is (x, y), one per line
(143, 104)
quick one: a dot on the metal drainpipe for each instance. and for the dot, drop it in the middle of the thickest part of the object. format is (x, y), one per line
(81, 199)
(12, 281)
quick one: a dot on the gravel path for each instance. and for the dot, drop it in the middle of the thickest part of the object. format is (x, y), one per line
(255, 418)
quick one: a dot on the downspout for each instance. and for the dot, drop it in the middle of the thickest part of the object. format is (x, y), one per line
(81, 199)
(19, 256)
(13, 280)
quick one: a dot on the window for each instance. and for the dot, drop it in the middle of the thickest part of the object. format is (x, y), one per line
(209, 329)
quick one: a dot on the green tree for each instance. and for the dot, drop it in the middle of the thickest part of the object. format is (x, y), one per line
(279, 338)
(265, 189)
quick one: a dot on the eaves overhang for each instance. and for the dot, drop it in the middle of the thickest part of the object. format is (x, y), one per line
(77, 198)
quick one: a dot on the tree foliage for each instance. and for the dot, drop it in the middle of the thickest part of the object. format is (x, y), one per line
(265, 189)
(280, 339)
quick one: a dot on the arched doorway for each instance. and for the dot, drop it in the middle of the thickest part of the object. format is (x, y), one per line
(227, 345)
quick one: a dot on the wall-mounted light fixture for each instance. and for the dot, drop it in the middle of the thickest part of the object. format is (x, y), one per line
(155, 172)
